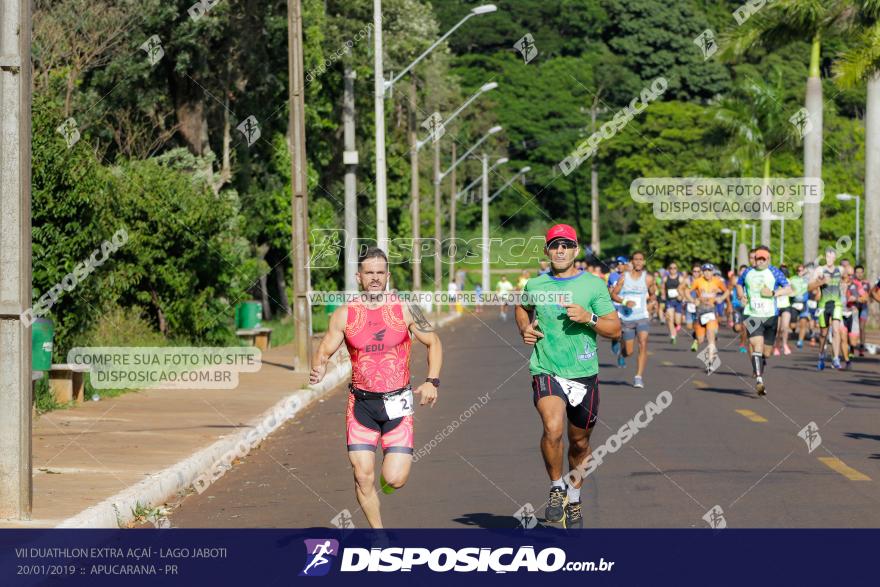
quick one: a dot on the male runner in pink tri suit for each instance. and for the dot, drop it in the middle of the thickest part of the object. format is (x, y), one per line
(380, 401)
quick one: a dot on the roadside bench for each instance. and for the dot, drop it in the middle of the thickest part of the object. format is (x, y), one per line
(258, 337)
(67, 382)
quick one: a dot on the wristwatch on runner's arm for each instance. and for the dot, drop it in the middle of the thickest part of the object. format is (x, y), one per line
(434, 381)
(593, 320)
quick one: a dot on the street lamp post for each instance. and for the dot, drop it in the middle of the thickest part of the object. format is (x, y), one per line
(521, 172)
(732, 248)
(486, 281)
(465, 190)
(438, 217)
(381, 86)
(847, 198)
(752, 226)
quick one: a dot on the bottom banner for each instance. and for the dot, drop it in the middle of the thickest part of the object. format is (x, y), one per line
(396, 557)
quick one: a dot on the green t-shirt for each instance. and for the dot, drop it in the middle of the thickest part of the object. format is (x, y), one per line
(568, 348)
(830, 292)
(753, 282)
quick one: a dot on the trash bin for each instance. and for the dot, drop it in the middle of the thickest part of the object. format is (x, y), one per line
(248, 315)
(42, 333)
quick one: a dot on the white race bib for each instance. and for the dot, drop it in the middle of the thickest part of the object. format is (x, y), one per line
(573, 390)
(634, 299)
(812, 304)
(762, 305)
(672, 293)
(798, 306)
(692, 308)
(847, 312)
(399, 404)
(707, 317)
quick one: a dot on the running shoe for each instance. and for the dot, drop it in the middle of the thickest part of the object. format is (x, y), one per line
(759, 387)
(846, 366)
(615, 347)
(800, 344)
(672, 339)
(786, 349)
(835, 362)
(821, 365)
(555, 511)
(637, 382)
(573, 516)
(695, 346)
(861, 351)
(743, 349)
(621, 362)
(775, 352)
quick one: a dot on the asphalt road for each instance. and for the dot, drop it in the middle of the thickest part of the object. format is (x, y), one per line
(717, 444)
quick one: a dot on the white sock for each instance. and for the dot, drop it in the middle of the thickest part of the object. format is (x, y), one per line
(574, 494)
(558, 483)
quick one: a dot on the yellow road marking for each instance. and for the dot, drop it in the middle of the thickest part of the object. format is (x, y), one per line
(700, 384)
(667, 363)
(844, 469)
(751, 415)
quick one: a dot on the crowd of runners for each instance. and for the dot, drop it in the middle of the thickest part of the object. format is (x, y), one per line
(819, 307)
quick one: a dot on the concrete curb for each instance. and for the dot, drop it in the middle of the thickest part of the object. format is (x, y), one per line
(209, 464)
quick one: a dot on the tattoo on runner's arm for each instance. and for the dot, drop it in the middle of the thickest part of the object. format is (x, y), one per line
(419, 320)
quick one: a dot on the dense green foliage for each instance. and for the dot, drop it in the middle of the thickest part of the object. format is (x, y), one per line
(208, 214)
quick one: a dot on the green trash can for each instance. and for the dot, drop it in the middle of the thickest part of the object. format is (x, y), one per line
(248, 315)
(42, 333)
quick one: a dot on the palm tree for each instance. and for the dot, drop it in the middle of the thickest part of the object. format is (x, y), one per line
(779, 24)
(862, 63)
(756, 120)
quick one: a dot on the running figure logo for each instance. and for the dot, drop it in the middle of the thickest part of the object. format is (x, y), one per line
(706, 42)
(810, 434)
(526, 46)
(319, 556)
(250, 129)
(802, 122)
(526, 516)
(715, 518)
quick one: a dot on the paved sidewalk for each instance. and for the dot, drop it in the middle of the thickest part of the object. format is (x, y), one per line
(91, 452)
(94, 462)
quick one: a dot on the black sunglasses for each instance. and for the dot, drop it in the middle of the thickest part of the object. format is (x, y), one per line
(568, 244)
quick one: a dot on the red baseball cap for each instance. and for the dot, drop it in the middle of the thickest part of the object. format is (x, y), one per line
(561, 231)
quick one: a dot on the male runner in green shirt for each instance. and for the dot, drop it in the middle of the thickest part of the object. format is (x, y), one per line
(564, 364)
(830, 307)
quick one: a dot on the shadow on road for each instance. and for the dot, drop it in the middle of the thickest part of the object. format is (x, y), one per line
(728, 391)
(860, 436)
(488, 521)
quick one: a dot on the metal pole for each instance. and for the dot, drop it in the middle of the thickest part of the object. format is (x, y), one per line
(733, 254)
(299, 178)
(594, 189)
(379, 102)
(452, 247)
(782, 241)
(438, 267)
(415, 197)
(16, 490)
(350, 158)
(857, 229)
(485, 224)
(753, 235)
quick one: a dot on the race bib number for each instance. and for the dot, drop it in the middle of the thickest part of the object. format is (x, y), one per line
(812, 304)
(847, 313)
(707, 317)
(798, 306)
(672, 294)
(692, 308)
(635, 300)
(763, 305)
(399, 404)
(573, 390)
